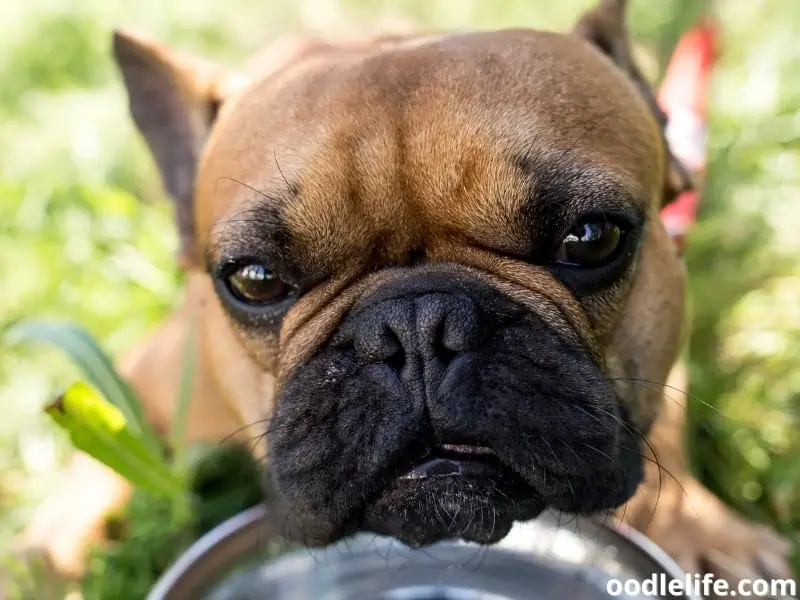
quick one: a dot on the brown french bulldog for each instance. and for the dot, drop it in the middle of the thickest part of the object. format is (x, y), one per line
(430, 272)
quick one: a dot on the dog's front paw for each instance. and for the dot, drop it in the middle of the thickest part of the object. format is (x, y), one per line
(705, 536)
(73, 516)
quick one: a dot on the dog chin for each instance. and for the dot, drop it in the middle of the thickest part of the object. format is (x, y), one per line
(422, 511)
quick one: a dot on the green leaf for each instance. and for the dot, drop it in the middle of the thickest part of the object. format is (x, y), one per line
(86, 353)
(98, 428)
(180, 418)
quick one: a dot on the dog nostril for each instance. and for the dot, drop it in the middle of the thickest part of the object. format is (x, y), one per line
(390, 351)
(444, 354)
(443, 348)
(379, 343)
(396, 361)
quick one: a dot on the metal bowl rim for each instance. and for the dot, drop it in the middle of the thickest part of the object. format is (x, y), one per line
(201, 548)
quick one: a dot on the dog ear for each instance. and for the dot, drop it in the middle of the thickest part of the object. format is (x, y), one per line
(173, 100)
(605, 28)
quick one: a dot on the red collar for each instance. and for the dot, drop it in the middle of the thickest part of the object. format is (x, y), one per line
(679, 216)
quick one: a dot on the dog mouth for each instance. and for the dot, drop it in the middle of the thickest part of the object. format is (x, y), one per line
(455, 464)
(455, 460)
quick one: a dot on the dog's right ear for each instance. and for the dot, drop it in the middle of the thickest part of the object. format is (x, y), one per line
(605, 28)
(173, 100)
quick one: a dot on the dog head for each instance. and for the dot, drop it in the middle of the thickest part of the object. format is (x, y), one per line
(435, 265)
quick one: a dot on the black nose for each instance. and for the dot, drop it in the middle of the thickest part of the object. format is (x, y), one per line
(427, 330)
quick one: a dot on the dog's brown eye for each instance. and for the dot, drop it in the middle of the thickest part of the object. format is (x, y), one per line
(590, 244)
(255, 284)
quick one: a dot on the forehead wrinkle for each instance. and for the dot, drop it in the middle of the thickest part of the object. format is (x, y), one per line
(560, 190)
(448, 92)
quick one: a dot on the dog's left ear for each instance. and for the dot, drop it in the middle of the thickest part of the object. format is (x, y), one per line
(605, 28)
(174, 100)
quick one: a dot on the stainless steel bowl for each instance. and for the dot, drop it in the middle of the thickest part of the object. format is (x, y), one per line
(551, 558)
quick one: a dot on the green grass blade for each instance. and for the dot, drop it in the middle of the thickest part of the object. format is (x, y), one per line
(181, 416)
(98, 428)
(87, 354)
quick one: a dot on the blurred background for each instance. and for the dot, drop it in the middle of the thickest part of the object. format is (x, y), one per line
(85, 234)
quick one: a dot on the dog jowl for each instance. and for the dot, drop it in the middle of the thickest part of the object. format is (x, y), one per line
(433, 264)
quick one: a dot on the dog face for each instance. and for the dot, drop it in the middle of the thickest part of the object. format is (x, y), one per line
(435, 264)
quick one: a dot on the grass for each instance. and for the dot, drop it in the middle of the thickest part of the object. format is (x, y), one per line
(84, 234)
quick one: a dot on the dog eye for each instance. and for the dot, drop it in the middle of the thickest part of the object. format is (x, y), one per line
(254, 284)
(590, 244)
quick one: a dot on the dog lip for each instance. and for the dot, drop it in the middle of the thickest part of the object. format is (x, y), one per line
(450, 460)
(468, 449)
